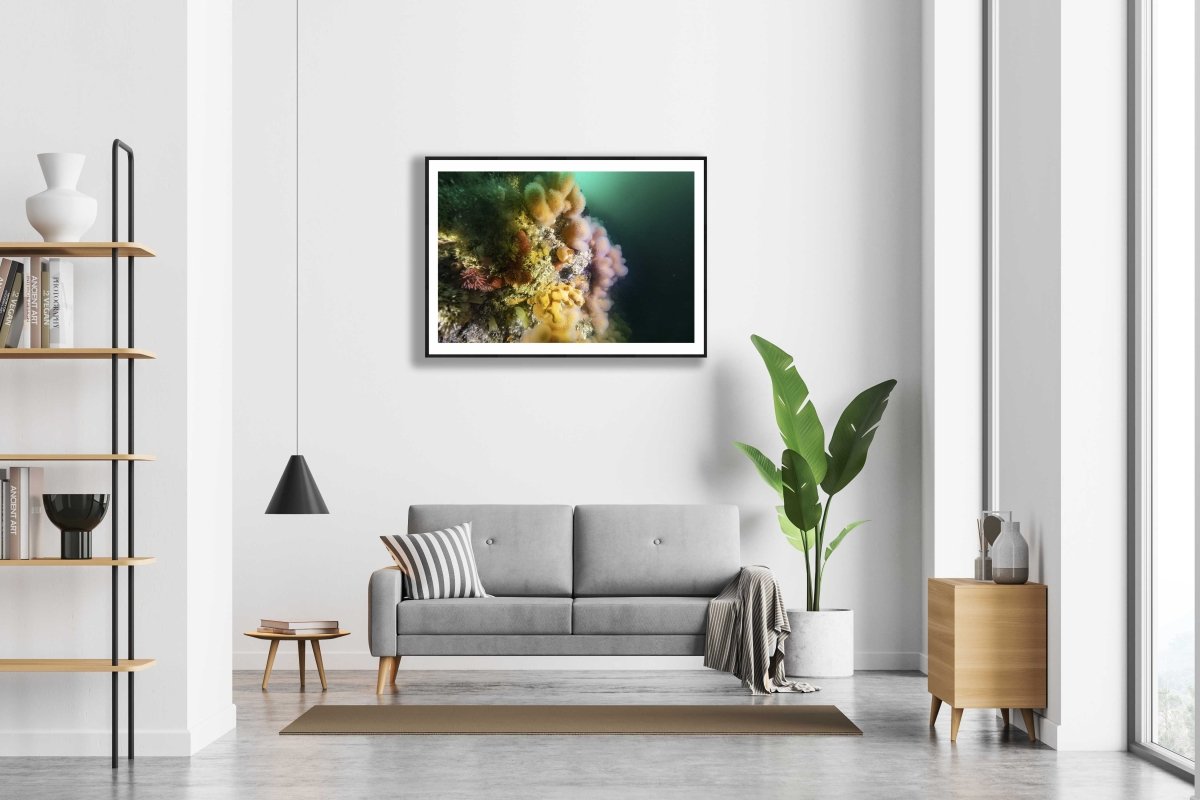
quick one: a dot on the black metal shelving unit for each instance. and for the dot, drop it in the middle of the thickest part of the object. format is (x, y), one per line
(116, 354)
(117, 148)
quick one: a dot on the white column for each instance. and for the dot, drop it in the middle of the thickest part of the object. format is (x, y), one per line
(1094, 533)
(952, 267)
(210, 712)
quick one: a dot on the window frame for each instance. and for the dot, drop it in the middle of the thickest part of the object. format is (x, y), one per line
(1141, 423)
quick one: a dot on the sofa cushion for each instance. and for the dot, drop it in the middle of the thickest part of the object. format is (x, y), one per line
(654, 550)
(437, 564)
(506, 616)
(639, 616)
(520, 551)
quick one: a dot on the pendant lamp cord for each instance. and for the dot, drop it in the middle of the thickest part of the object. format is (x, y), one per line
(297, 227)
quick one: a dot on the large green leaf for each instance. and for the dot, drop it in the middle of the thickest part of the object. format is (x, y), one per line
(766, 467)
(853, 435)
(795, 414)
(801, 502)
(829, 548)
(801, 540)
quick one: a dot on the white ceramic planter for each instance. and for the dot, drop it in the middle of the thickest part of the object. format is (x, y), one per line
(61, 213)
(821, 644)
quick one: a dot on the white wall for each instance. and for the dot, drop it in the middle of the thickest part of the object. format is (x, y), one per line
(809, 113)
(98, 71)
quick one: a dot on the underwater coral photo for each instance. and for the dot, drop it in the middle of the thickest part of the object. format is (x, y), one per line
(576, 257)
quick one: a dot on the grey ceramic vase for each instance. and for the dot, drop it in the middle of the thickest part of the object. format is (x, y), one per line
(1010, 555)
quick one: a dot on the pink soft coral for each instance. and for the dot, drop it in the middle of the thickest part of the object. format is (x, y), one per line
(474, 280)
(576, 233)
(608, 264)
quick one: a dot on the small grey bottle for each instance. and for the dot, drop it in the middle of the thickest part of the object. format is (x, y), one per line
(1010, 555)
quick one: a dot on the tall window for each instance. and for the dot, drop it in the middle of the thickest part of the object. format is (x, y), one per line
(1164, 197)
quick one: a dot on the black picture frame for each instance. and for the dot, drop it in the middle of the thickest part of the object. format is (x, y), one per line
(593, 346)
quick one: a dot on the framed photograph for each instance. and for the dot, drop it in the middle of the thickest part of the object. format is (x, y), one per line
(565, 257)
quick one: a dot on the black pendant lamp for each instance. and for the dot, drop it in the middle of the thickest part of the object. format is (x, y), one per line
(297, 492)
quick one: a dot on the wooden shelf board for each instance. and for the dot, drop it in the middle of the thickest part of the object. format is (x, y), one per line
(125, 561)
(74, 249)
(77, 353)
(75, 457)
(74, 664)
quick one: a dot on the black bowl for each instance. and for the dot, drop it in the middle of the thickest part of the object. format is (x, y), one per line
(75, 512)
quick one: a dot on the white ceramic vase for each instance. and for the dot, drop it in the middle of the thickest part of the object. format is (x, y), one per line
(821, 644)
(61, 213)
(1010, 555)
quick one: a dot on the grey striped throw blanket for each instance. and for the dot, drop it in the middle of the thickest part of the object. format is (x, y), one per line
(747, 626)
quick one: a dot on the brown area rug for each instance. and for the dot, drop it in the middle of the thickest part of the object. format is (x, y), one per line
(726, 720)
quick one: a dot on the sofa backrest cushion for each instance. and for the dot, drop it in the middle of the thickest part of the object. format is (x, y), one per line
(520, 551)
(655, 550)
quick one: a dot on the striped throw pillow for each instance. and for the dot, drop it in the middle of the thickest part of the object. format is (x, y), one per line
(437, 565)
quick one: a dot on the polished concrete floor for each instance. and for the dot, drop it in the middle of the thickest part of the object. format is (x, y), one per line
(898, 756)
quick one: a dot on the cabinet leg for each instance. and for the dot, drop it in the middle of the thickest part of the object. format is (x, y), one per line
(300, 650)
(385, 671)
(320, 663)
(1004, 713)
(955, 719)
(1027, 715)
(270, 663)
(935, 705)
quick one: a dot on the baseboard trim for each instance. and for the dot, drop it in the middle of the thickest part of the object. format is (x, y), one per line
(887, 661)
(1047, 728)
(151, 742)
(365, 661)
(923, 663)
(213, 728)
(255, 660)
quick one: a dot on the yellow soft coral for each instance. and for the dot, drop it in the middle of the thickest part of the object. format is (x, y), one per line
(537, 205)
(546, 197)
(575, 202)
(557, 310)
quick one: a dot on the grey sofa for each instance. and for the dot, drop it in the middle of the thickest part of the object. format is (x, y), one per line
(593, 580)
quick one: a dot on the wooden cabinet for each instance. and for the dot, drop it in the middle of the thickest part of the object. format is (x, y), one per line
(987, 648)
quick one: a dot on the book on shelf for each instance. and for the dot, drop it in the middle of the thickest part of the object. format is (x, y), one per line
(4, 489)
(44, 321)
(37, 303)
(31, 321)
(23, 512)
(62, 303)
(10, 305)
(7, 265)
(291, 626)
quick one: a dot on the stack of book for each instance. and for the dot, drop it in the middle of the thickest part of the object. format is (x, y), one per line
(21, 495)
(303, 628)
(37, 303)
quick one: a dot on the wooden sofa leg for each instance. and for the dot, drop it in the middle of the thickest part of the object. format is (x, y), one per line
(395, 669)
(387, 671)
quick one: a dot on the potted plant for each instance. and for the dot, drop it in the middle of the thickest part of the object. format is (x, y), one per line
(822, 640)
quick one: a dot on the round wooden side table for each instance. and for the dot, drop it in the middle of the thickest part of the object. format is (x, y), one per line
(299, 639)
